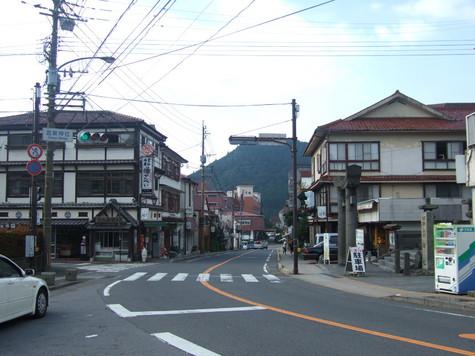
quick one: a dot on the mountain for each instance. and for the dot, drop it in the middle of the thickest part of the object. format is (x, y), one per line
(265, 167)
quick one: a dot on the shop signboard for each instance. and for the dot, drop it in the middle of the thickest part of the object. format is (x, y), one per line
(147, 174)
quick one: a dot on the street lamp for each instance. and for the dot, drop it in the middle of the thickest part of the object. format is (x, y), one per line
(280, 139)
(52, 81)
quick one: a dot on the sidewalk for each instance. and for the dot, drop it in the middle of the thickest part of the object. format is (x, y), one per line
(377, 283)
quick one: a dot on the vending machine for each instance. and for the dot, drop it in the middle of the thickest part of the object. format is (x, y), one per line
(454, 258)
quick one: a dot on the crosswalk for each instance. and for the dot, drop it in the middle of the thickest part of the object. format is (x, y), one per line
(202, 277)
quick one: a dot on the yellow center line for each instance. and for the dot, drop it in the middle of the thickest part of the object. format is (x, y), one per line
(468, 336)
(330, 322)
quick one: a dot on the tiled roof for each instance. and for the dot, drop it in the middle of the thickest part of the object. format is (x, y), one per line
(71, 117)
(457, 111)
(396, 124)
(390, 178)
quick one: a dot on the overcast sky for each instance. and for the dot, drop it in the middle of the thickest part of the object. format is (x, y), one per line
(334, 59)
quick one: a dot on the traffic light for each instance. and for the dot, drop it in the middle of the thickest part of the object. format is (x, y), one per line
(93, 137)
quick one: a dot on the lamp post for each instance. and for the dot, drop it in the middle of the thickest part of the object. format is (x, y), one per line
(281, 140)
(52, 82)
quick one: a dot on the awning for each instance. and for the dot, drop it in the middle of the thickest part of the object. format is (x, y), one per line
(68, 222)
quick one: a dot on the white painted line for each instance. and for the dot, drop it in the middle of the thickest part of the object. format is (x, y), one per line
(440, 312)
(83, 264)
(271, 278)
(107, 289)
(265, 268)
(249, 278)
(120, 310)
(135, 276)
(91, 336)
(226, 277)
(180, 277)
(185, 345)
(125, 313)
(203, 277)
(157, 277)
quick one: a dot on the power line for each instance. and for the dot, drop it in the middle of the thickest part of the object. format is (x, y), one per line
(191, 105)
(263, 127)
(228, 34)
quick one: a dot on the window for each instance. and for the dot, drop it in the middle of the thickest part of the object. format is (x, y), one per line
(7, 270)
(367, 192)
(443, 190)
(126, 138)
(171, 168)
(119, 183)
(18, 184)
(170, 201)
(83, 214)
(363, 154)
(441, 154)
(112, 183)
(90, 183)
(20, 140)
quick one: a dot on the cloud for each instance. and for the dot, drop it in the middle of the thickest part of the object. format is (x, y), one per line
(440, 9)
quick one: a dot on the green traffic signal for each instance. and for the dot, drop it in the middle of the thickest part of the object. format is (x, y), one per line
(84, 136)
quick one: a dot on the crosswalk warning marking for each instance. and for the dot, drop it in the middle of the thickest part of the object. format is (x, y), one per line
(203, 277)
(135, 276)
(271, 278)
(249, 278)
(157, 277)
(226, 277)
(180, 277)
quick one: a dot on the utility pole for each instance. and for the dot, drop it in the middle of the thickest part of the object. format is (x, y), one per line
(52, 82)
(34, 192)
(203, 161)
(295, 110)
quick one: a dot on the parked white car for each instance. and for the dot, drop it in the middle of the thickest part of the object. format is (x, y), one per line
(20, 292)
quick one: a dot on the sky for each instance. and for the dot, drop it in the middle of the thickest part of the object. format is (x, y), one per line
(235, 66)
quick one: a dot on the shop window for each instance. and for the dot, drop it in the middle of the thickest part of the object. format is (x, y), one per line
(440, 155)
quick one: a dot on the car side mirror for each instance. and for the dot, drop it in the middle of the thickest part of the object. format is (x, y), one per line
(29, 272)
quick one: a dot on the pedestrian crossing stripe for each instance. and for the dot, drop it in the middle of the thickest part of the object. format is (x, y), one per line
(202, 277)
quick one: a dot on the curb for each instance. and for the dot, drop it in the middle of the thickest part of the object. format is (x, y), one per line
(63, 285)
(431, 302)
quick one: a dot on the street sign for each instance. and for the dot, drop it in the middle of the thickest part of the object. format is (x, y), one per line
(34, 167)
(355, 261)
(57, 135)
(35, 151)
(30, 245)
(147, 149)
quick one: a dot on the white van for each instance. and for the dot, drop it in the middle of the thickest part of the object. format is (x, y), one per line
(333, 237)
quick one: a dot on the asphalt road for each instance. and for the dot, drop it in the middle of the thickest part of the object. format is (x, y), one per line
(245, 308)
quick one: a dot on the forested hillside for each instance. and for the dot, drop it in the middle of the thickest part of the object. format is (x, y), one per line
(265, 167)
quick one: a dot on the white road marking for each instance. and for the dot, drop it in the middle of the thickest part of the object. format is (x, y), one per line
(267, 261)
(108, 288)
(110, 268)
(249, 278)
(84, 264)
(125, 313)
(265, 268)
(185, 345)
(203, 277)
(91, 336)
(157, 277)
(135, 276)
(226, 277)
(271, 278)
(440, 312)
(180, 277)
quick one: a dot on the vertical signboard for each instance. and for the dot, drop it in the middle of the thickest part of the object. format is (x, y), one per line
(360, 238)
(29, 246)
(326, 248)
(147, 174)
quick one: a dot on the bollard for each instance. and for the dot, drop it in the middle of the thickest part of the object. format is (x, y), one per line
(48, 277)
(71, 274)
(407, 264)
(397, 261)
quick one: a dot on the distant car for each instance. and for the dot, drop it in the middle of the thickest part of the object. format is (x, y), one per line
(20, 292)
(316, 252)
(260, 244)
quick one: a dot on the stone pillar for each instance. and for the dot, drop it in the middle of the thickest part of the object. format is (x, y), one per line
(339, 184)
(427, 241)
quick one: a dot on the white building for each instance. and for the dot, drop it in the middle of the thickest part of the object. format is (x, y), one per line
(116, 183)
